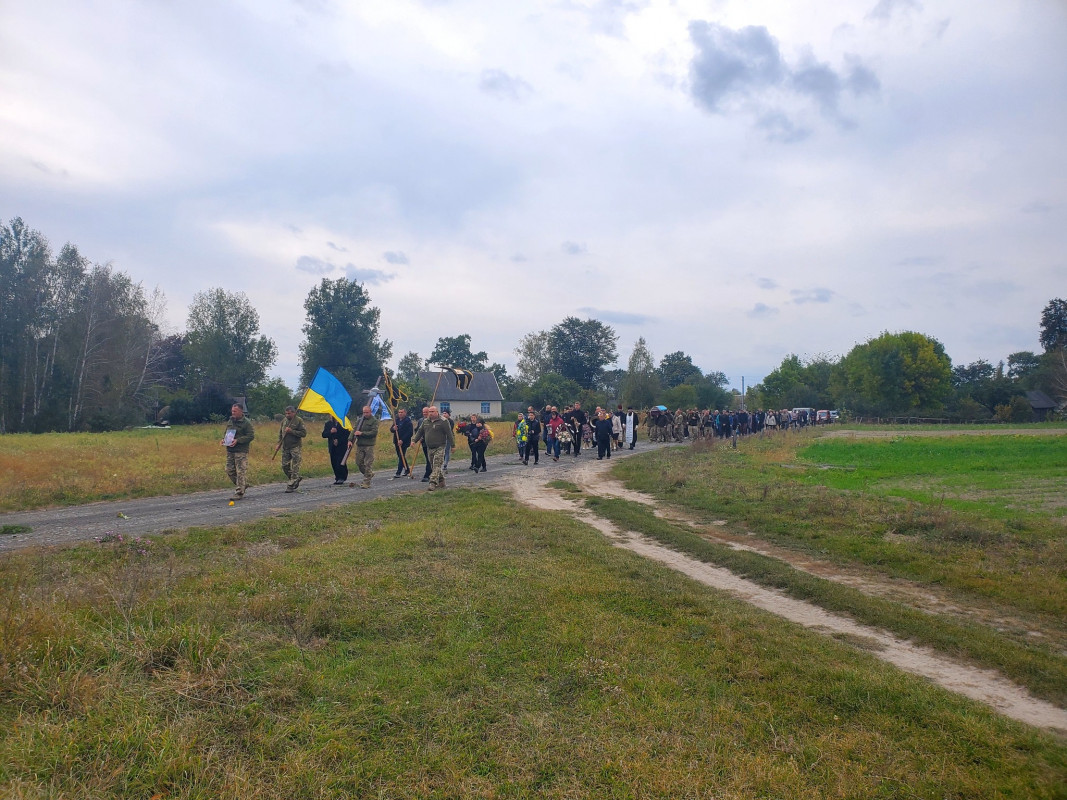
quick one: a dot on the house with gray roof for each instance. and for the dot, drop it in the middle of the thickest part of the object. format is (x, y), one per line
(1041, 404)
(483, 397)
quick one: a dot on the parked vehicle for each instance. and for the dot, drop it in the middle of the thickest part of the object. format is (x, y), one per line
(822, 417)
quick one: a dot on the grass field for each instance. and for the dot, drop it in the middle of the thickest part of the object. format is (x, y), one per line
(941, 513)
(455, 645)
(39, 470)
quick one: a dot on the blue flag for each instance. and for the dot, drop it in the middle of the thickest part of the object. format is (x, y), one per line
(378, 408)
(327, 395)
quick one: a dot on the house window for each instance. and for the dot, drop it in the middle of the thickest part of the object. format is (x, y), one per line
(446, 406)
(485, 408)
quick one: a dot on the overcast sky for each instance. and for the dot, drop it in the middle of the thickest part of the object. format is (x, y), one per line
(737, 179)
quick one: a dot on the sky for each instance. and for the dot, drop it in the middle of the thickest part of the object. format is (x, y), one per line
(740, 180)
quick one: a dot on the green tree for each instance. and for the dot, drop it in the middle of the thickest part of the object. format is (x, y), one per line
(895, 373)
(684, 395)
(341, 335)
(1053, 334)
(798, 384)
(1057, 373)
(409, 367)
(581, 349)
(677, 368)
(223, 342)
(1022, 365)
(455, 351)
(983, 383)
(711, 391)
(503, 380)
(552, 389)
(112, 352)
(610, 384)
(269, 397)
(641, 384)
(79, 344)
(534, 360)
(784, 384)
(24, 267)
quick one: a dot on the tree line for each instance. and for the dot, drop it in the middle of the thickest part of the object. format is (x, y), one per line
(84, 347)
(909, 373)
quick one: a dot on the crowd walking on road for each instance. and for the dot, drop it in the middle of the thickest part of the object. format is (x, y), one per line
(551, 432)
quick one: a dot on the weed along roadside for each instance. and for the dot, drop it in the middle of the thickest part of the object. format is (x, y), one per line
(457, 644)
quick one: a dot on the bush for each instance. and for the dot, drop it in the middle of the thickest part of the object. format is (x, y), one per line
(970, 410)
(210, 402)
(1021, 410)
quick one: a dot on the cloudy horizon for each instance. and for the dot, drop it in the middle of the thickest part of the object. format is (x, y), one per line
(736, 180)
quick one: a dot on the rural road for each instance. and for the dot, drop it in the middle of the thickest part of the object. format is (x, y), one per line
(71, 524)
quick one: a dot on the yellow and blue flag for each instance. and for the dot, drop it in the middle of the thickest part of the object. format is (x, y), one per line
(327, 395)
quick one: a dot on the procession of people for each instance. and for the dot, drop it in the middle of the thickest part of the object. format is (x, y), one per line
(549, 431)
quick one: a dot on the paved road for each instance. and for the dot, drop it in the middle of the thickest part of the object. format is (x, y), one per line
(70, 524)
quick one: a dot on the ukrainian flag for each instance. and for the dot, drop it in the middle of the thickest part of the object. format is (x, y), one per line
(326, 395)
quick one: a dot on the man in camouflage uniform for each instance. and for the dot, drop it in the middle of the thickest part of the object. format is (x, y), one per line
(435, 433)
(237, 449)
(291, 439)
(664, 423)
(364, 437)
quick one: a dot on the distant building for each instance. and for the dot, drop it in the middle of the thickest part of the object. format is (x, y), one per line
(483, 397)
(1041, 404)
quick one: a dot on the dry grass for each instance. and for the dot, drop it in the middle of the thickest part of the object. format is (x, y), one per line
(39, 470)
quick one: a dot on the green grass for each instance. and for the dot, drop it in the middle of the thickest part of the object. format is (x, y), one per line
(1014, 560)
(996, 475)
(453, 646)
(1040, 669)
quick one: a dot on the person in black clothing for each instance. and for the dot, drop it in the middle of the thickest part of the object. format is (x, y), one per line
(336, 436)
(402, 431)
(576, 419)
(602, 434)
(533, 438)
(478, 439)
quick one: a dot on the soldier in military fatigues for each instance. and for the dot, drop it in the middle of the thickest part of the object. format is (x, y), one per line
(436, 433)
(364, 437)
(652, 422)
(664, 424)
(236, 445)
(291, 438)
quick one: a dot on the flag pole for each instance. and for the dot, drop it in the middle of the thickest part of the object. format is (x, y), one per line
(435, 388)
(396, 433)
